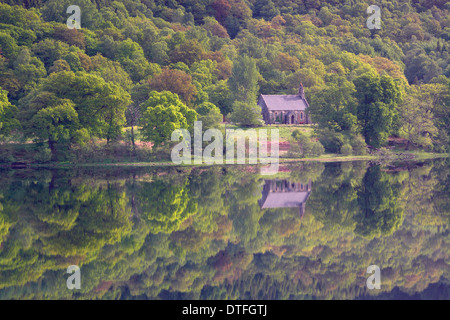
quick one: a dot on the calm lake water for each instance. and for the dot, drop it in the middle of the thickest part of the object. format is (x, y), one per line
(309, 232)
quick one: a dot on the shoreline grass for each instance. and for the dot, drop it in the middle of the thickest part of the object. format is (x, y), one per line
(409, 156)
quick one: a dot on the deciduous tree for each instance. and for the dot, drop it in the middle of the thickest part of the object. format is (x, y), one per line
(377, 111)
(175, 81)
(244, 80)
(163, 113)
(100, 105)
(246, 114)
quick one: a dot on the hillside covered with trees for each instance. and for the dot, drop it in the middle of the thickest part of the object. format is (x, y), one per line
(138, 69)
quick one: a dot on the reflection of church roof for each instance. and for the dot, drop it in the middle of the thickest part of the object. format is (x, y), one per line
(285, 199)
(285, 194)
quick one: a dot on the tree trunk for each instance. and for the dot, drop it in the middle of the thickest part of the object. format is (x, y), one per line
(132, 138)
(52, 146)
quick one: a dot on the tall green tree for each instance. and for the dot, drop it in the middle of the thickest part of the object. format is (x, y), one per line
(335, 105)
(418, 121)
(4, 103)
(377, 110)
(58, 124)
(243, 82)
(8, 112)
(246, 114)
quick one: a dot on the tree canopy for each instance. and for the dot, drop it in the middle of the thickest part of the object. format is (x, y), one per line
(227, 52)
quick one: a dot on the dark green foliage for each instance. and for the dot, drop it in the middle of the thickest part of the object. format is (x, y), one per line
(378, 98)
(380, 213)
(100, 106)
(331, 140)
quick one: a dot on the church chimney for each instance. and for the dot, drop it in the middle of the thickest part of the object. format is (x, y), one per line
(301, 92)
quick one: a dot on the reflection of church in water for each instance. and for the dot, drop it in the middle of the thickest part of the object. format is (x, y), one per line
(285, 194)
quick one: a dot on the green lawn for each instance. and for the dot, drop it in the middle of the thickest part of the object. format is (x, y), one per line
(284, 130)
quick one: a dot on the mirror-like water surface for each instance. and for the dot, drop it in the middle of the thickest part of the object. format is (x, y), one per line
(309, 232)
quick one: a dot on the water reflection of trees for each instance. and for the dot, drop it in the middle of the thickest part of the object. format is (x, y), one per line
(202, 234)
(367, 201)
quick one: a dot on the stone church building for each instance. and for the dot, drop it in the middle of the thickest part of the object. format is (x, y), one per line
(285, 109)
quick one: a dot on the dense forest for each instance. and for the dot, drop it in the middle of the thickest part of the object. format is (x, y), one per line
(138, 69)
(199, 233)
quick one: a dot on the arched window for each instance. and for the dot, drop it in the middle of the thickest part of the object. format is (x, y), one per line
(301, 115)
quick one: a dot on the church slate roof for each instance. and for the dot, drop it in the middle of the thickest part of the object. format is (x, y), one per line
(284, 102)
(285, 199)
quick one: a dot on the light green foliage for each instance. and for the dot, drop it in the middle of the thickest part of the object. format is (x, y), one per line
(163, 113)
(358, 145)
(159, 122)
(346, 149)
(10, 49)
(220, 95)
(428, 129)
(163, 98)
(7, 114)
(56, 124)
(4, 103)
(417, 119)
(335, 103)
(210, 115)
(203, 72)
(174, 205)
(244, 80)
(246, 114)
(5, 225)
(302, 146)
(317, 149)
(29, 70)
(111, 71)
